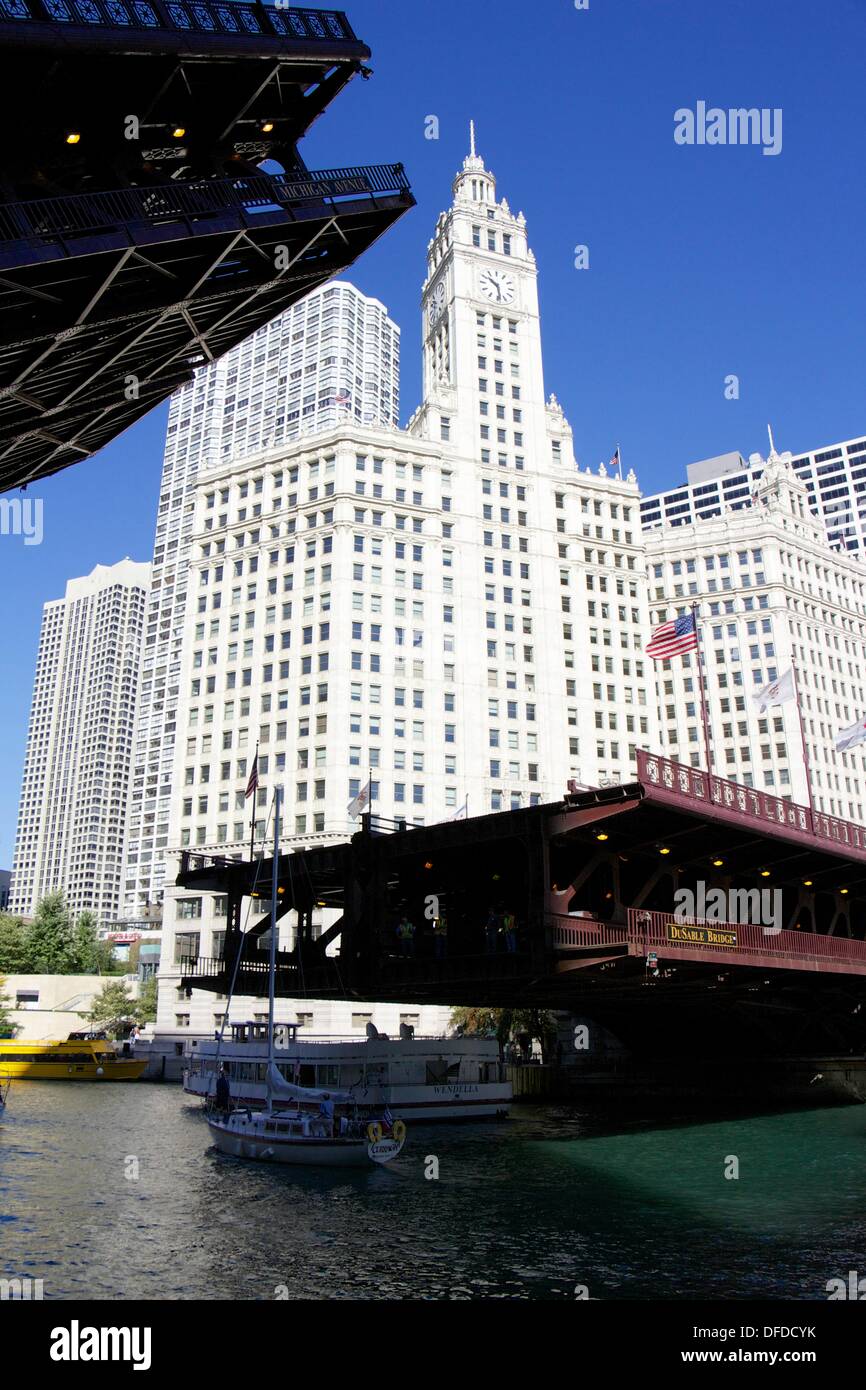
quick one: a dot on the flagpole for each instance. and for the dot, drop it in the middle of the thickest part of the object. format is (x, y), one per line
(803, 744)
(704, 713)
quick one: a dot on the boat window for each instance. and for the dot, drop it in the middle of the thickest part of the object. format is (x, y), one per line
(328, 1075)
(307, 1074)
(439, 1071)
(47, 1056)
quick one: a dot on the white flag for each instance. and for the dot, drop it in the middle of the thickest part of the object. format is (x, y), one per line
(850, 737)
(360, 802)
(775, 692)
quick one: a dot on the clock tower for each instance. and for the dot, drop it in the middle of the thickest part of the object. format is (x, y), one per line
(483, 377)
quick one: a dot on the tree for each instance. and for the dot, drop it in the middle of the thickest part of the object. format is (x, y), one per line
(50, 939)
(145, 1005)
(112, 1006)
(508, 1023)
(89, 955)
(15, 956)
(8, 1028)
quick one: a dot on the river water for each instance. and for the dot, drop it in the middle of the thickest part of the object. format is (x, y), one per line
(115, 1191)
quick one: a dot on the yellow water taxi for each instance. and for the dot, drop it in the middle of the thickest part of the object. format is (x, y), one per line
(82, 1057)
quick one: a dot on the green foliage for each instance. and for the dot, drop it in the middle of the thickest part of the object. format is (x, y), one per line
(89, 955)
(145, 1011)
(8, 1029)
(50, 937)
(14, 946)
(506, 1023)
(52, 945)
(112, 1006)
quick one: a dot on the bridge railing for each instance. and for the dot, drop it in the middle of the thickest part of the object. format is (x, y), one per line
(577, 932)
(658, 931)
(203, 967)
(80, 214)
(214, 18)
(695, 785)
(190, 860)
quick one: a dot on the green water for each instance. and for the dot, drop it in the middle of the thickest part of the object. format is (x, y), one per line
(116, 1191)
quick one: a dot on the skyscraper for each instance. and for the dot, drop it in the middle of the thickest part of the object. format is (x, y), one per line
(453, 614)
(79, 746)
(834, 476)
(334, 356)
(772, 593)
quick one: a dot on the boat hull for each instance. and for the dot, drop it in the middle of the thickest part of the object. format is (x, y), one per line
(73, 1060)
(317, 1153)
(80, 1071)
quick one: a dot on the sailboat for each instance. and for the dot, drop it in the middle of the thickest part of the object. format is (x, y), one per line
(314, 1127)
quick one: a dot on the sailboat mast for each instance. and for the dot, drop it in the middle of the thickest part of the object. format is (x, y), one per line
(272, 973)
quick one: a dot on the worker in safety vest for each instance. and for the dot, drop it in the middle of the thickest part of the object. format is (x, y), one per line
(440, 936)
(509, 927)
(406, 936)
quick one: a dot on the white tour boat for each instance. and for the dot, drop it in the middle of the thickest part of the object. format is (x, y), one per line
(416, 1078)
(327, 1127)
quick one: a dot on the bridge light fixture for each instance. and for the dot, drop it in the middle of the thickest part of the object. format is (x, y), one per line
(178, 131)
(73, 137)
(496, 877)
(280, 892)
(267, 127)
(602, 835)
(807, 882)
(717, 863)
(843, 891)
(765, 873)
(428, 864)
(664, 849)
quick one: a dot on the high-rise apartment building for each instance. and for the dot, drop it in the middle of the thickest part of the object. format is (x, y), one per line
(834, 476)
(333, 357)
(771, 593)
(454, 613)
(77, 768)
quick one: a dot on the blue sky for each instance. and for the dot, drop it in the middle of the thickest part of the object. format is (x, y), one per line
(704, 260)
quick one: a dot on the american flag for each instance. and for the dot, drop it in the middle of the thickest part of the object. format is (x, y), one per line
(672, 639)
(616, 462)
(343, 397)
(253, 782)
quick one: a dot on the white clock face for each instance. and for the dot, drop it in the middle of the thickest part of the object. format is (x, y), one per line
(497, 285)
(437, 301)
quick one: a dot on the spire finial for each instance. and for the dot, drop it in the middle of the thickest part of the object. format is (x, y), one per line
(472, 138)
(772, 445)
